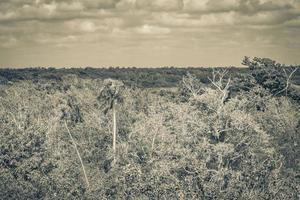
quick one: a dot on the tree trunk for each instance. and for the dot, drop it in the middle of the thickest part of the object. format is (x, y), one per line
(114, 130)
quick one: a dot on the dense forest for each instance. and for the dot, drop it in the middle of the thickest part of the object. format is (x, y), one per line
(136, 133)
(139, 77)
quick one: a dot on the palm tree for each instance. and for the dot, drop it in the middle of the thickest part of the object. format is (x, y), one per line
(111, 96)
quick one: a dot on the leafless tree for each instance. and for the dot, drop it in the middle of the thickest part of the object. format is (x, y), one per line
(218, 78)
(191, 84)
(288, 74)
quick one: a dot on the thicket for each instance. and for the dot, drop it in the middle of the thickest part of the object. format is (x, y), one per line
(234, 138)
(138, 77)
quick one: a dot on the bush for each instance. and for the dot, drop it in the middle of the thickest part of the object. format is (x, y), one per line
(201, 147)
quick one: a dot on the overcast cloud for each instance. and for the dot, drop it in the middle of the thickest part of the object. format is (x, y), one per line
(73, 33)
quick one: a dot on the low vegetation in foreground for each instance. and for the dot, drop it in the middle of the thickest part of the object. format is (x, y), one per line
(232, 137)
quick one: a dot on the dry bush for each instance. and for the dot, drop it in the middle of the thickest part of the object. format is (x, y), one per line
(206, 147)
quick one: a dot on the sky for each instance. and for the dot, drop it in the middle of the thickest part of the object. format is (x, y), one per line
(147, 33)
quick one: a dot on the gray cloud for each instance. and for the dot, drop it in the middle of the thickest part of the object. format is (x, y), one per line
(165, 25)
(18, 10)
(255, 6)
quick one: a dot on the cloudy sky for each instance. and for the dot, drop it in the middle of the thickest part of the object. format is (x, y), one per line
(149, 33)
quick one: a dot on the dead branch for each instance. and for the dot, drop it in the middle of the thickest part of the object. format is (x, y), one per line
(217, 81)
(287, 81)
(78, 154)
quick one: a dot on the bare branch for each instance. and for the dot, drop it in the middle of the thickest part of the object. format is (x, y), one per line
(78, 154)
(219, 83)
(287, 81)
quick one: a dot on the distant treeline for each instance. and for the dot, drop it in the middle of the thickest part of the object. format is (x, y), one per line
(140, 77)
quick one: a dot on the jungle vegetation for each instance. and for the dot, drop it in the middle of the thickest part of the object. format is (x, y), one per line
(170, 133)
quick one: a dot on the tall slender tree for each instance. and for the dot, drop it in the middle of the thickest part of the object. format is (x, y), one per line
(111, 96)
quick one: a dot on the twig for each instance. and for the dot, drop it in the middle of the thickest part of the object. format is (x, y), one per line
(78, 154)
(287, 82)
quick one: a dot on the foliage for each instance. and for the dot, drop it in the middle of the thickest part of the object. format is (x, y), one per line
(187, 143)
(138, 77)
(271, 75)
(111, 93)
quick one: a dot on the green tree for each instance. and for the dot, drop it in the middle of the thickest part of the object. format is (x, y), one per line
(271, 75)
